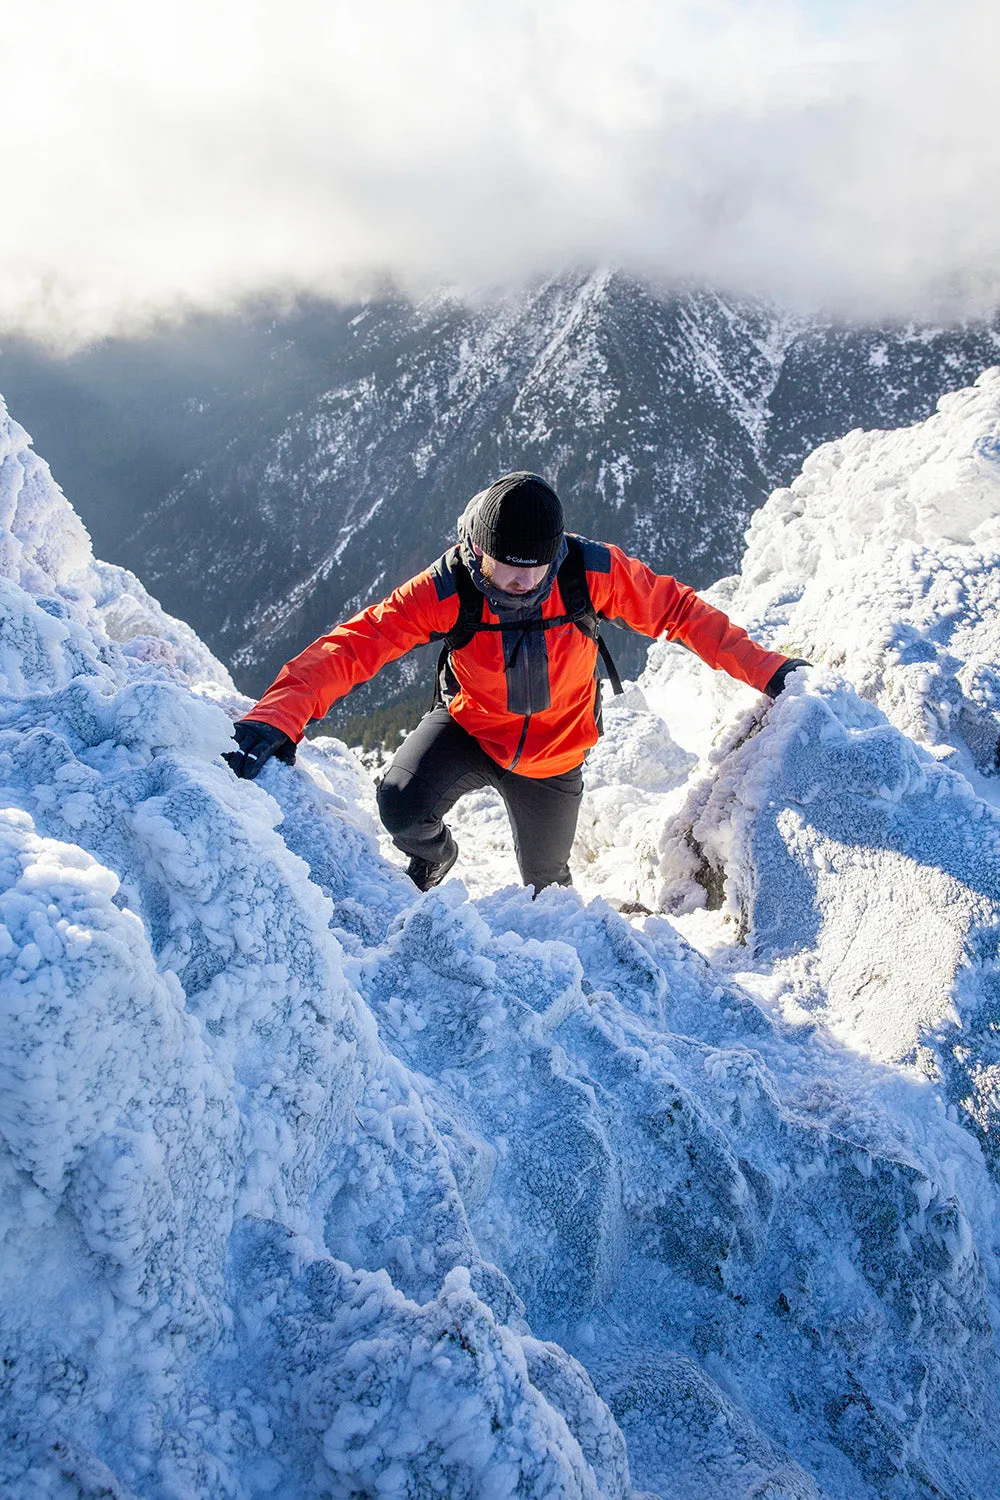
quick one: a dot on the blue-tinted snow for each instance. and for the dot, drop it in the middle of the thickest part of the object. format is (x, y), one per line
(316, 1187)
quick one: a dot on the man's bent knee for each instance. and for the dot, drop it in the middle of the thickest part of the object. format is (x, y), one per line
(400, 801)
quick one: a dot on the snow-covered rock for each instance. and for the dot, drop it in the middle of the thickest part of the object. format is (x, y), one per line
(883, 560)
(313, 1186)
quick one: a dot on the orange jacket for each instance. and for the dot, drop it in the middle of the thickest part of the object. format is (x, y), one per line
(558, 727)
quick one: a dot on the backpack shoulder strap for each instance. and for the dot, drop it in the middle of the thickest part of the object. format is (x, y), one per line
(609, 666)
(470, 604)
(453, 577)
(572, 577)
(575, 593)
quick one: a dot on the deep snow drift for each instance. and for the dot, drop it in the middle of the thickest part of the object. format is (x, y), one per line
(316, 1187)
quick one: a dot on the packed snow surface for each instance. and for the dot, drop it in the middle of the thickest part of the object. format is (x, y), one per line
(314, 1186)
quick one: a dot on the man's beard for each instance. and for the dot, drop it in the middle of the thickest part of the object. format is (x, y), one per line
(486, 568)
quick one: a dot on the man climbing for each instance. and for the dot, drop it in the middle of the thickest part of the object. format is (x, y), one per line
(517, 700)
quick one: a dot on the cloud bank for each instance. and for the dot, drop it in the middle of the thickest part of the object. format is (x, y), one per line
(188, 156)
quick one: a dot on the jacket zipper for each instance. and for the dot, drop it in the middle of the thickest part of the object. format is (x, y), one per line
(524, 673)
(523, 666)
(520, 743)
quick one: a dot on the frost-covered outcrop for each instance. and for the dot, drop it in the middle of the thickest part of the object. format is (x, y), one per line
(313, 1186)
(188, 1076)
(883, 561)
(861, 862)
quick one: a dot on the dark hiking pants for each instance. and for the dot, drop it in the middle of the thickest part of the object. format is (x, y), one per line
(439, 762)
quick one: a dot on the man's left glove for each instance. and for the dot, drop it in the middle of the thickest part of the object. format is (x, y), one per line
(781, 676)
(258, 742)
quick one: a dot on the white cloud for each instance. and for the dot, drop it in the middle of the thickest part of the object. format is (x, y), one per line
(192, 154)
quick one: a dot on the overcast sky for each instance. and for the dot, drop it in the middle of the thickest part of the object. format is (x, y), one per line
(161, 156)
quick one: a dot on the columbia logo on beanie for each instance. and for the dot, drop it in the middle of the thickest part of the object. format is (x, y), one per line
(519, 521)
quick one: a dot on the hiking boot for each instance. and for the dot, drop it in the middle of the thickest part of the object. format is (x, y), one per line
(425, 875)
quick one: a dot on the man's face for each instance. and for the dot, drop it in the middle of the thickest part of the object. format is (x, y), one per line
(509, 579)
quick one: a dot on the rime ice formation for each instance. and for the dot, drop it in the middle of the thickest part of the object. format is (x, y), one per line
(313, 1186)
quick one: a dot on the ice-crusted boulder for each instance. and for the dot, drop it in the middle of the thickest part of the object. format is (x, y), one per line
(864, 867)
(866, 875)
(316, 1187)
(883, 560)
(694, 1230)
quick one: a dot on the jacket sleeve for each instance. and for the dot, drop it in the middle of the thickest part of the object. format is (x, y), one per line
(353, 652)
(656, 604)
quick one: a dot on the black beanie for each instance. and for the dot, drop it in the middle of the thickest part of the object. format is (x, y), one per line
(519, 521)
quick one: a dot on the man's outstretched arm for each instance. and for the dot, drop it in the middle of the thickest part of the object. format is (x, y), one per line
(353, 652)
(656, 604)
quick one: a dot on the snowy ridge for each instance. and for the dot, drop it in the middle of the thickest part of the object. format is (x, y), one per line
(315, 1187)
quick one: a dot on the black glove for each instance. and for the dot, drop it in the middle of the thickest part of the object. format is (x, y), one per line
(258, 742)
(783, 673)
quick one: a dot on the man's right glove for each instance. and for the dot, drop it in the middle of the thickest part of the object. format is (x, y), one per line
(785, 671)
(257, 743)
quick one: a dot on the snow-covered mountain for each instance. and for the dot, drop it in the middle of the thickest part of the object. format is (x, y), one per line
(268, 476)
(314, 1186)
(663, 422)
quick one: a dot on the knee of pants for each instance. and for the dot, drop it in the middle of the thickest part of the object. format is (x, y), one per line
(399, 803)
